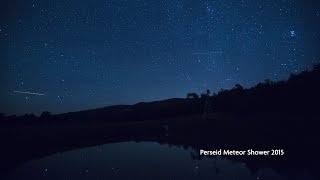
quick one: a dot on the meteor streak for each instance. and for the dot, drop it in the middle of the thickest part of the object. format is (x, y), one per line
(31, 93)
(208, 53)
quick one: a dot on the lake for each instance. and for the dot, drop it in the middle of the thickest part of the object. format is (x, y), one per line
(136, 161)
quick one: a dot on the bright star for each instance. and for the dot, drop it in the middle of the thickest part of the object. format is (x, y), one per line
(293, 33)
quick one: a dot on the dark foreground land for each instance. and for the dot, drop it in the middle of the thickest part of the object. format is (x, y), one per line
(239, 132)
(272, 115)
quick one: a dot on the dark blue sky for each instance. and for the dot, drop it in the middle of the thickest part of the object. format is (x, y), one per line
(86, 54)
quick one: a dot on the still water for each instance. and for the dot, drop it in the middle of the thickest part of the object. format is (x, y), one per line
(135, 161)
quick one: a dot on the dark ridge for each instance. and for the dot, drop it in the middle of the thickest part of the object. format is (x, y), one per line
(299, 94)
(282, 114)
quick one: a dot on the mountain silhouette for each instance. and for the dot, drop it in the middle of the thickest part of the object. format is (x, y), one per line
(300, 93)
(269, 115)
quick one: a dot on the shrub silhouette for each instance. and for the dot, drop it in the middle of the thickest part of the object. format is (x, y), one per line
(45, 115)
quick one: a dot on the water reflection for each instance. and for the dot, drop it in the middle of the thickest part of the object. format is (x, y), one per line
(130, 160)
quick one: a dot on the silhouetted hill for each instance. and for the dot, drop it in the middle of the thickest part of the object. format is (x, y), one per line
(300, 93)
(280, 114)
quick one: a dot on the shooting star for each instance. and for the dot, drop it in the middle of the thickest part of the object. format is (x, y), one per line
(208, 53)
(31, 93)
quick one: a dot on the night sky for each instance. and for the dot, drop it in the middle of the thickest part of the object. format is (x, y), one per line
(78, 54)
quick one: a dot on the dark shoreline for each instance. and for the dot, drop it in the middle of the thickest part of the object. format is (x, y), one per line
(271, 115)
(23, 143)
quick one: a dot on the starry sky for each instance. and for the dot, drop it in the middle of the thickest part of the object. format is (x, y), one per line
(78, 54)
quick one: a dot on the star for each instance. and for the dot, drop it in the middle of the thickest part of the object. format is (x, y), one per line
(177, 44)
(293, 33)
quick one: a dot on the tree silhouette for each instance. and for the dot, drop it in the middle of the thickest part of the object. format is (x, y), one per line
(208, 92)
(268, 82)
(45, 115)
(238, 87)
